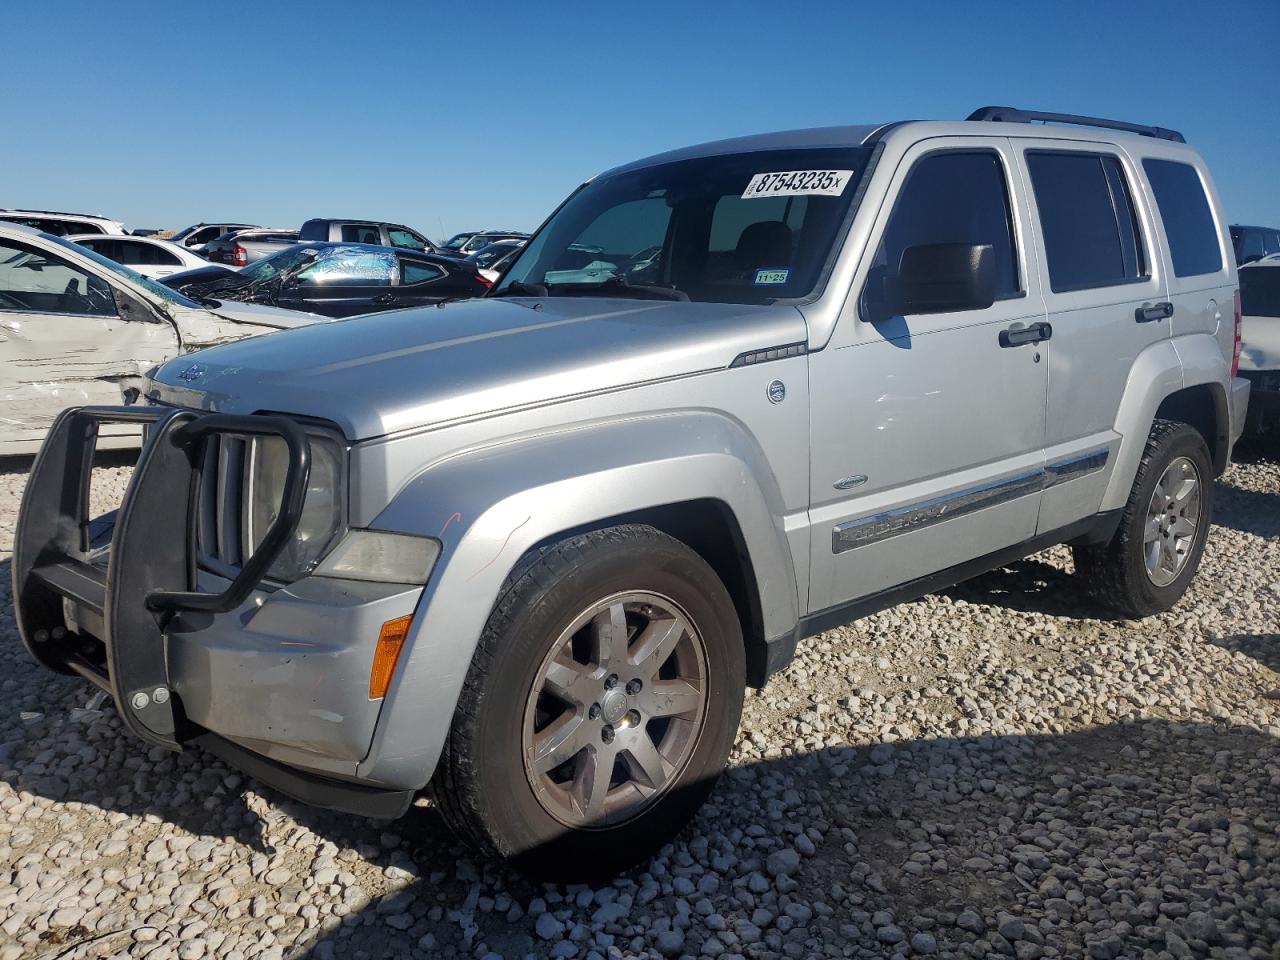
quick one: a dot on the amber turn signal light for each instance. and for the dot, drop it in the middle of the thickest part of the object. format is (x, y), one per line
(390, 643)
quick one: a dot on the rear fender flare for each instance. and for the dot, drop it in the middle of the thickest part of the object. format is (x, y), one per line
(1158, 372)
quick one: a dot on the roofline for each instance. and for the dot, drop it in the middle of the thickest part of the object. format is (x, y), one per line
(59, 213)
(1034, 123)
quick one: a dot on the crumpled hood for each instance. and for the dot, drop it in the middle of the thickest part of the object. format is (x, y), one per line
(264, 314)
(385, 372)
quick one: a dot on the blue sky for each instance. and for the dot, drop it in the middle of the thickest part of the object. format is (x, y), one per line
(449, 116)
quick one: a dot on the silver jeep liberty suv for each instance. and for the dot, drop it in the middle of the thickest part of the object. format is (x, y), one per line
(527, 551)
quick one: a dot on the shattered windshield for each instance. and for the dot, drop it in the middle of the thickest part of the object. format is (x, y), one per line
(268, 268)
(158, 290)
(741, 228)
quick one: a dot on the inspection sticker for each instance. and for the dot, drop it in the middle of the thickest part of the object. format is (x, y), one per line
(772, 275)
(798, 183)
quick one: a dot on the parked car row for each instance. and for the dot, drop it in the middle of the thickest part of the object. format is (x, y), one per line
(243, 247)
(338, 279)
(78, 327)
(147, 255)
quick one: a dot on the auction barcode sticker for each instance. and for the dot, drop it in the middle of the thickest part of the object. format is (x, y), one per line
(798, 183)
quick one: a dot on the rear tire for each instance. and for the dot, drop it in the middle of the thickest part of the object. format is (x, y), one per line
(1148, 564)
(626, 629)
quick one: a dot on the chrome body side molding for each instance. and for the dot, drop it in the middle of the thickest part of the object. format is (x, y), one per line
(880, 526)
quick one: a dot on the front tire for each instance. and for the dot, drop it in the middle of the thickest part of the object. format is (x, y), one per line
(600, 706)
(1148, 564)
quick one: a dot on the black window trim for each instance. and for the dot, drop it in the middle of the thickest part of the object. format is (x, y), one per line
(1019, 262)
(1146, 277)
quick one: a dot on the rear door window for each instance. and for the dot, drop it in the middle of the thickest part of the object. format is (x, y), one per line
(1087, 218)
(361, 233)
(103, 245)
(411, 271)
(1188, 220)
(135, 253)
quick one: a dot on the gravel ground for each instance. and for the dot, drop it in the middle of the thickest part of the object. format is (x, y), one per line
(999, 769)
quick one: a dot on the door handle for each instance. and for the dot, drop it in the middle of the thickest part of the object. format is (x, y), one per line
(1154, 311)
(1019, 334)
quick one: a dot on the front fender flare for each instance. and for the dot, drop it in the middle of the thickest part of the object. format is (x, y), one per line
(489, 506)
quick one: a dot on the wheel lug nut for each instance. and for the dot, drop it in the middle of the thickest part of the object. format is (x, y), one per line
(594, 712)
(611, 681)
(633, 687)
(607, 734)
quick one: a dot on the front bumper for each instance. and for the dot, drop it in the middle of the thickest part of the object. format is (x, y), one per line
(273, 680)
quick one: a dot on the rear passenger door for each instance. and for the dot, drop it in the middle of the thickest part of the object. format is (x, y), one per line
(421, 283)
(1106, 300)
(927, 430)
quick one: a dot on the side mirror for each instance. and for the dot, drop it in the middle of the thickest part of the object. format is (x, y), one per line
(944, 277)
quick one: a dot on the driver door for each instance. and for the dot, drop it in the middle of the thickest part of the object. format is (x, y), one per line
(63, 342)
(343, 282)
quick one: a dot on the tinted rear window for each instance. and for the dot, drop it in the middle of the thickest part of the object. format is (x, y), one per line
(1091, 234)
(1188, 221)
(314, 230)
(1260, 291)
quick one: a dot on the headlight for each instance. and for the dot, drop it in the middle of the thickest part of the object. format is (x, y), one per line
(380, 556)
(321, 508)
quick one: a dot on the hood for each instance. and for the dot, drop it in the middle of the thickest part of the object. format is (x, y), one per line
(265, 315)
(199, 329)
(385, 372)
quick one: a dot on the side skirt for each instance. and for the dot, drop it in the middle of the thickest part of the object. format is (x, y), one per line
(1096, 529)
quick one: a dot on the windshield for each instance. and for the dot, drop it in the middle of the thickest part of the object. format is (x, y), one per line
(268, 268)
(488, 256)
(155, 289)
(741, 228)
(457, 240)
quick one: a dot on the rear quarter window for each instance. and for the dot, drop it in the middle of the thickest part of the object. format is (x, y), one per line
(1188, 220)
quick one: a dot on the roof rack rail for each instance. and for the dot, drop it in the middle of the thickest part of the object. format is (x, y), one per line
(54, 213)
(1014, 115)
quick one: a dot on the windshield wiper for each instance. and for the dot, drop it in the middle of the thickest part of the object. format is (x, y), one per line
(518, 289)
(621, 284)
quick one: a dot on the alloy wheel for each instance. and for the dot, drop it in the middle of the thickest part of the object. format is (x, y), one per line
(615, 710)
(1173, 517)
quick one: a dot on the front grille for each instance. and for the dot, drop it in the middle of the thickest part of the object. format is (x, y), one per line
(223, 498)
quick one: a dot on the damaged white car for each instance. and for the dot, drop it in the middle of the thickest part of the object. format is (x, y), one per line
(78, 328)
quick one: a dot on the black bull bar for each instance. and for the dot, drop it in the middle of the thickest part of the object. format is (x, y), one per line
(150, 550)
